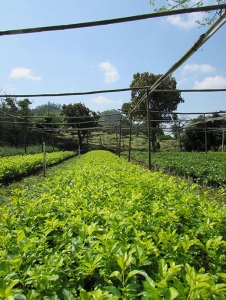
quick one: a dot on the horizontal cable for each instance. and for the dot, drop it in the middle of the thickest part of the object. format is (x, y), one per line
(111, 91)
(112, 21)
(180, 113)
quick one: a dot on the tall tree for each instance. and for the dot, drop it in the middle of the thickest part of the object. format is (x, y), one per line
(47, 108)
(15, 123)
(177, 127)
(161, 104)
(204, 130)
(79, 116)
(110, 117)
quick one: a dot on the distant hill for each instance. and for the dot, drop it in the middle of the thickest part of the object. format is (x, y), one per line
(47, 108)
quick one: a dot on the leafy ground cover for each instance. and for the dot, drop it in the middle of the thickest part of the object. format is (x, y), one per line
(209, 168)
(31, 181)
(16, 166)
(103, 228)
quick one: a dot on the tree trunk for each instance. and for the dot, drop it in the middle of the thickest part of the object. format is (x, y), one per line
(153, 140)
(80, 138)
(81, 135)
(153, 136)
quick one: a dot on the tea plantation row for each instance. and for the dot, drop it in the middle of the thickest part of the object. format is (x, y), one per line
(19, 165)
(209, 168)
(104, 228)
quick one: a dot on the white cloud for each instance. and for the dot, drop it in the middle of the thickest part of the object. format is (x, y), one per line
(203, 68)
(217, 82)
(100, 100)
(23, 73)
(183, 80)
(110, 72)
(186, 22)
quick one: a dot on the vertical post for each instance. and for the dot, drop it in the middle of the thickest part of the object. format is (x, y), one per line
(52, 139)
(44, 160)
(223, 140)
(42, 136)
(116, 131)
(3, 131)
(179, 136)
(149, 131)
(79, 150)
(87, 140)
(25, 136)
(120, 137)
(130, 135)
(205, 134)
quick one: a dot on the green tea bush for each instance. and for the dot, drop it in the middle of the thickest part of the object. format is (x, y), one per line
(107, 229)
(14, 167)
(209, 168)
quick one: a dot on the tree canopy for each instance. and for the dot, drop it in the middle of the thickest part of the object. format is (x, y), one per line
(204, 132)
(13, 127)
(80, 117)
(47, 108)
(161, 104)
(110, 117)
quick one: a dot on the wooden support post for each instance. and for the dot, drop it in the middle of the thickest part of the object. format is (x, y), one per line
(120, 137)
(130, 136)
(79, 150)
(179, 137)
(223, 140)
(52, 139)
(44, 160)
(149, 132)
(205, 134)
(25, 136)
(116, 131)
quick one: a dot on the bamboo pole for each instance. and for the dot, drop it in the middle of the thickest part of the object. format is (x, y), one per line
(205, 135)
(149, 132)
(44, 160)
(120, 136)
(110, 91)
(112, 21)
(130, 136)
(223, 140)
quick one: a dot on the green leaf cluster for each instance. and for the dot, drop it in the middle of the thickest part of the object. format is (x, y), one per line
(209, 168)
(15, 166)
(107, 229)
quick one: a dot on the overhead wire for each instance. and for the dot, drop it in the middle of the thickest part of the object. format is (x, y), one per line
(112, 21)
(110, 91)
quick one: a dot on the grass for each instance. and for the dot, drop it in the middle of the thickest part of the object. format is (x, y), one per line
(138, 142)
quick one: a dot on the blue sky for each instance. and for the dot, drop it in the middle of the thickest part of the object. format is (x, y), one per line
(106, 57)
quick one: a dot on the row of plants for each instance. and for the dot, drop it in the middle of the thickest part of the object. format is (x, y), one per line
(104, 228)
(16, 166)
(209, 168)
